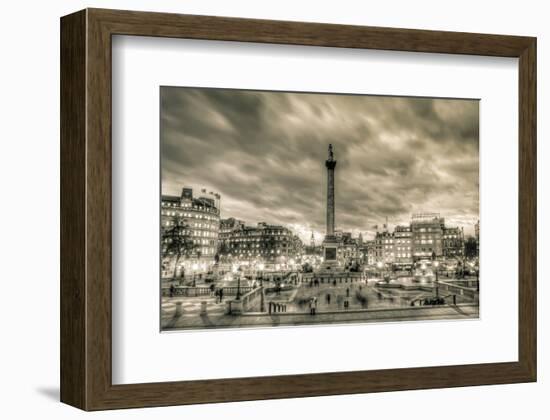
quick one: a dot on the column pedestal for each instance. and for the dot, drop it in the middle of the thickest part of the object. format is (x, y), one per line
(330, 254)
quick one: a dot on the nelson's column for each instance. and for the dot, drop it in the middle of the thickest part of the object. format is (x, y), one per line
(330, 244)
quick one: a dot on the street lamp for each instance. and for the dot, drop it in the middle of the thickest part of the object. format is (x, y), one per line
(238, 297)
(235, 272)
(436, 265)
(194, 268)
(261, 268)
(379, 265)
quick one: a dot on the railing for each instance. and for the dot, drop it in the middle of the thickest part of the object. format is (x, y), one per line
(250, 297)
(464, 282)
(246, 302)
(277, 275)
(202, 291)
(186, 291)
(459, 290)
(232, 291)
(335, 276)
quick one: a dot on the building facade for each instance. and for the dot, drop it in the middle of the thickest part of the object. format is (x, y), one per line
(427, 235)
(453, 242)
(368, 251)
(424, 238)
(227, 227)
(264, 242)
(348, 248)
(384, 247)
(200, 217)
(403, 245)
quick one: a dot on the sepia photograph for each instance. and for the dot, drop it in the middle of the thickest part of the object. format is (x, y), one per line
(305, 208)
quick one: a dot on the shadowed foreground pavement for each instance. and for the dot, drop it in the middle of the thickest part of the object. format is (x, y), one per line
(220, 320)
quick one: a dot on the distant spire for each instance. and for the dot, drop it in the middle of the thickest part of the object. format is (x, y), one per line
(312, 240)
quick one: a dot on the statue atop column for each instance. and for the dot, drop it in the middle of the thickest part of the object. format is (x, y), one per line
(330, 163)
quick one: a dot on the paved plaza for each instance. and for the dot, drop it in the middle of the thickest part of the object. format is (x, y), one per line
(365, 303)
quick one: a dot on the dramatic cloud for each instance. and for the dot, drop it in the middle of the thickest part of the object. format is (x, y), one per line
(264, 152)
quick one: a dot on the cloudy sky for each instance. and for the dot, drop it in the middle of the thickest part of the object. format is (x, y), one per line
(264, 152)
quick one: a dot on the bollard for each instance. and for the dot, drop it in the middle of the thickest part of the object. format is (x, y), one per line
(179, 308)
(203, 307)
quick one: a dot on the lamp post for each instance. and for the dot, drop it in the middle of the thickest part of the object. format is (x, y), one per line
(235, 272)
(262, 303)
(261, 270)
(194, 269)
(238, 297)
(379, 265)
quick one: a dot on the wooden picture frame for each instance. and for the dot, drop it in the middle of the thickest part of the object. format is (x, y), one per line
(86, 361)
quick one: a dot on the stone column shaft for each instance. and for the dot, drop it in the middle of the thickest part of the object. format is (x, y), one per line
(330, 202)
(330, 164)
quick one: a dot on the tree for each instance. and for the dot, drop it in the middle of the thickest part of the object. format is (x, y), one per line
(224, 251)
(355, 267)
(470, 248)
(459, 272)
(178, 241)
(307, 267)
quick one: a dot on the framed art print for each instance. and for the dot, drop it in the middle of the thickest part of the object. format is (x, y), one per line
(299, 241)
(262, 209)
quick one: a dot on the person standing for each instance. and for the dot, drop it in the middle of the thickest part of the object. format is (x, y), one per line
(312, 306)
